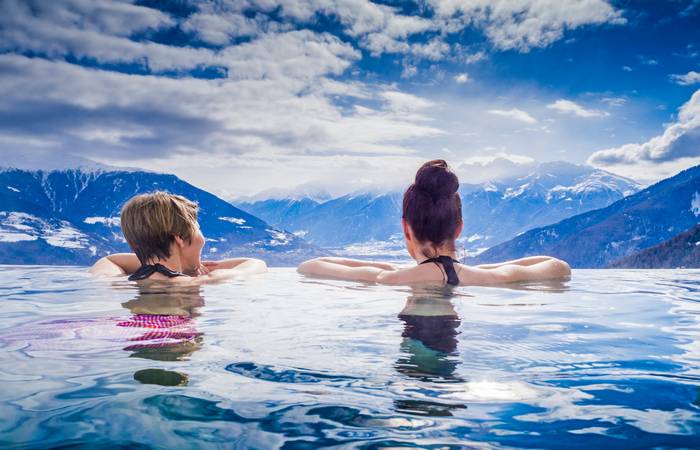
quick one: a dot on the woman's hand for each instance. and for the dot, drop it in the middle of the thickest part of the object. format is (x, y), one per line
(203, 269)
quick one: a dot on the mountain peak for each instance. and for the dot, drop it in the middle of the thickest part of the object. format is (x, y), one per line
(598, 237)
(40, 162)
(70, 216)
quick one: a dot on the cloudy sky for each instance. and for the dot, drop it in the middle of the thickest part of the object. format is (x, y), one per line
(242, 96)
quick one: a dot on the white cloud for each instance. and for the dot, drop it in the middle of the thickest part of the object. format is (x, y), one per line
(279, 113)
(627, 68)
(687, 79)
(514, 113)
(568, 107)
(112, 18)
(524, 24)
(462, 78)
(283, 110)
(77, 29)
(220, 28)
(86, 29)
(402, 102)
(377, 28)
(475, 57)
(409, 71)
(102, 30)
(480, 169)
(614, 101)
(676, 148)
(520, 25)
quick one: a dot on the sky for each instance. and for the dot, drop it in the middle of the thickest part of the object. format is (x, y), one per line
(246, 97)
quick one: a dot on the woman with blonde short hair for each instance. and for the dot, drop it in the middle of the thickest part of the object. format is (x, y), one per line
(162, 231)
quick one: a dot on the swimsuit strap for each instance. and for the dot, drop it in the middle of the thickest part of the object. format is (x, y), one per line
(448, 265)
(147, 270)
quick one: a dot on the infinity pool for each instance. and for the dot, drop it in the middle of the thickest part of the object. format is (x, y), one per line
(611, 358)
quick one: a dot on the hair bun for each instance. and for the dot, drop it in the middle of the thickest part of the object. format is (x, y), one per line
(436, 179)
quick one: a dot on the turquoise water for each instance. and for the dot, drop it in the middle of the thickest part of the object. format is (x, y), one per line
(610, 358)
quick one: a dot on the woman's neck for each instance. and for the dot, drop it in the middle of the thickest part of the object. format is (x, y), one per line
(440, 251)
(173, 263)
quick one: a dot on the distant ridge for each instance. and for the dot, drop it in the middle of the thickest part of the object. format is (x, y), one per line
(599, 237)
(682, 251)
(72, 217)
(493, 212)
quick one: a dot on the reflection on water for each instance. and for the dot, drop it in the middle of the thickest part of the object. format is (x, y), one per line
(161, 377)
(429, 334)
(609, 359)
(165, 314)
(429, 346)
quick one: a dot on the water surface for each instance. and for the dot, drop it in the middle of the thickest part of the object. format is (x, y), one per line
(610, 358)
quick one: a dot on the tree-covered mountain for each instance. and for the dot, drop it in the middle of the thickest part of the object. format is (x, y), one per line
(72, 217)
(682, 250)
(597, 238)
(493, 212)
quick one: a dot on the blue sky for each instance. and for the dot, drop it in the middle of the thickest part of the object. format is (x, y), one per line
(260, 95)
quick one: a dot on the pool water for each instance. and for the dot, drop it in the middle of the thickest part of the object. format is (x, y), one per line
(610, 358)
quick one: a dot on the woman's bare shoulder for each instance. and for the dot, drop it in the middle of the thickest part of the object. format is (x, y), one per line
(411, 275)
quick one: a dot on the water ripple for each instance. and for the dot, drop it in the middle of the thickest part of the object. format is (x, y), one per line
(609, 359)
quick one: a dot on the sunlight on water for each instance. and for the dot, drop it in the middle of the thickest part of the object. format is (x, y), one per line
(279, 361)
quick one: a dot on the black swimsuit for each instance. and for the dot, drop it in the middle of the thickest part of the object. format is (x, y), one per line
(448, 265)
(147, 270)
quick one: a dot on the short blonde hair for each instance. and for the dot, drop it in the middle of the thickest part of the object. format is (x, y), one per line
(151, 221)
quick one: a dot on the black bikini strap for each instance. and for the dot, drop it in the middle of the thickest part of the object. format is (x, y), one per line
(147, 270)
(448, 265)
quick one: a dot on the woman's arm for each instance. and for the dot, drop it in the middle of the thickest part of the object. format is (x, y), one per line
(527, 261)
(357, 263)
(234, 267)
(548, 269)
(232, 263)
(115, 265)
(345, 269)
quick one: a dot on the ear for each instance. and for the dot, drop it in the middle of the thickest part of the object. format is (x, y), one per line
(179, 241)
(406, 230)
(459, 228)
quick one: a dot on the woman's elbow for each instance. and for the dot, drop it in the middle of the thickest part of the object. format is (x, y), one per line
(308, 267)
(561, 268)
(256, 265)
(97, 268)
(388, 277)
(105, 267)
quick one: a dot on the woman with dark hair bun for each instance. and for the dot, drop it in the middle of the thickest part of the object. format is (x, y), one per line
(432, 221)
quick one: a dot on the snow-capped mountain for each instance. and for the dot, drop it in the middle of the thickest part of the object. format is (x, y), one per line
(72, 217)
(493, 212)
(598, 238)
(500, 210)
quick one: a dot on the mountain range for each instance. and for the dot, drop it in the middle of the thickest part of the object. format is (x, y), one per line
(493, 212)
(71, 216)
(599, 238)
(682, 250)
(589, 217)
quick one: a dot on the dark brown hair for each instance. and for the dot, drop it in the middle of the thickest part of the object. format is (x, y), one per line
(151, 221)
(431, 205)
